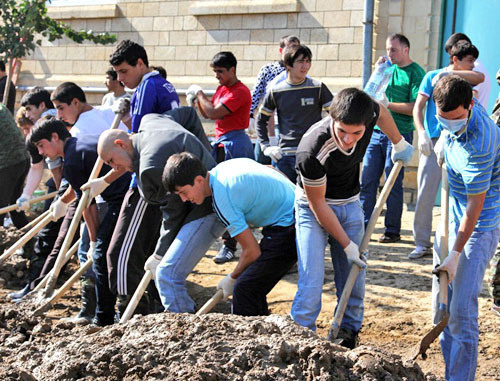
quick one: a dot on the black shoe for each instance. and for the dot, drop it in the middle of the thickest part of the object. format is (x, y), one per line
(347, 338)
(87, 310)
(389, 238)
(16, 296)
(224, 255)
(97, 322)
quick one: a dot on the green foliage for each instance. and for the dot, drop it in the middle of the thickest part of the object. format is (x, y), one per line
(21, 21)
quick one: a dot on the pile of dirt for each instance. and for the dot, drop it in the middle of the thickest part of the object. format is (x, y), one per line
(186, 347)
(12, 271)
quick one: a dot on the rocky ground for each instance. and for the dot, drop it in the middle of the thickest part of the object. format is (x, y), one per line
(219, 346)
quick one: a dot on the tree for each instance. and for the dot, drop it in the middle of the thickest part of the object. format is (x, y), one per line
(23, 22)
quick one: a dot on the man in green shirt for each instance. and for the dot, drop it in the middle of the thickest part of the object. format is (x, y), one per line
(399, 99)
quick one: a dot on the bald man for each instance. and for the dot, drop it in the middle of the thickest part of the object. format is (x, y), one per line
(146, 154)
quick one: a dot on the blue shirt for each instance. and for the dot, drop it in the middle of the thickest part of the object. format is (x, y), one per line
(248, 194)
(473, 162)
(430, 123)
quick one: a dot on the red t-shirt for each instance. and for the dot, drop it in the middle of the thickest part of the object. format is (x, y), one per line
(237, 99)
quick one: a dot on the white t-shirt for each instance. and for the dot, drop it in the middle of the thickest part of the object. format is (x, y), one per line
(109, 99)
(484, 88)
(92, 123)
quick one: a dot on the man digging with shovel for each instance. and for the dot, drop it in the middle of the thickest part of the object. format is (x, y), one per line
(327, 203)
(472, 154)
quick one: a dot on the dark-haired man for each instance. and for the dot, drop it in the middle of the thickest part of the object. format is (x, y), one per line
(299, 102)
(11, 100)
(241, 199)
(230, 108)
(472, 155)
(400, 96)
(327, 203)
(462, 58)
(53, 140)
(115, 87)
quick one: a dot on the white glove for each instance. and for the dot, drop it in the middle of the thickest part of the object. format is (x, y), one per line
(191, 100)
(251, 127)
(274, 152)
(449, 265)
(23, 202)
(352, 253)
(227, 286)
(152, 263)
(436, 79)
(424, 143)
(96, 186)
(402, 151)
(439, 147)
(274, 141)
(91, 250)
(384, 101)
(122, 106)
(193, 90)
(58, 209)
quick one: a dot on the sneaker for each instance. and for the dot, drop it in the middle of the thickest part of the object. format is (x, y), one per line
(16, 296)
(419, 252)
(224, 255)
(389, 238)
(346, 338)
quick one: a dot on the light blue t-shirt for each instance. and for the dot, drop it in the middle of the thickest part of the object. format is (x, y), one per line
(430, 123)
(473, 163)
(248, 194)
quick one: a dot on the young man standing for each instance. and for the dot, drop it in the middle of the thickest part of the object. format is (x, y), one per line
(266, 74)
(241, 199)
(472, 156)
(230, 108)
(400, 95)
(299, 102)
(462, 58)
(53, 140)
(116, 88)
(327, 203)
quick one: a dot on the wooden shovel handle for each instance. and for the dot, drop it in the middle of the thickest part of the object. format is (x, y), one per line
(211, 303)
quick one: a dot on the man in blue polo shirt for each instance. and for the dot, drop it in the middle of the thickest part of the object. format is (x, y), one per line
(472, 154)
(242, 200)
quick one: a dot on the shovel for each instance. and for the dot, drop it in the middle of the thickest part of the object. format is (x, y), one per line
(10, 208)
(355, 269)
(132, 305)
(442, 313)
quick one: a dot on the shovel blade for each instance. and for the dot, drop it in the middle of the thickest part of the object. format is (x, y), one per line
(430, 337)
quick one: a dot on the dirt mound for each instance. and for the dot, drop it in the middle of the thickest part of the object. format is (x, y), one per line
(186, 347)
(14, 269)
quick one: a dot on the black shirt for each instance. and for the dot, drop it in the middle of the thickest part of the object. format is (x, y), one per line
(320, 161)
(11, 101)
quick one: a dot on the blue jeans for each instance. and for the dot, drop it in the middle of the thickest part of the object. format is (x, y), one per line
(311, 243)
(459, 340)
(376, 161)
(287, 165)
(189, 246)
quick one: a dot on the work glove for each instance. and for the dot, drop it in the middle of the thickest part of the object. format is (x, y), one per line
(442, 74)
(352, 253)
(424, 143)
(384, 101)
(122, 106)
(449, 265)
(439, 147)
(23, 202)
(191, 100)
(251, 127)
(152, 263)
(227, 286)
(96, 186)
(273, 141)
(91, 250)
(58, 209)
(274, 152)
(193, 90)
(402, 151)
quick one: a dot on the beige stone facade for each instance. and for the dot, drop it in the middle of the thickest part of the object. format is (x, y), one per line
(183, 36)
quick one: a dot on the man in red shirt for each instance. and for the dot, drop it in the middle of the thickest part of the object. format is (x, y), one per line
(230, 108)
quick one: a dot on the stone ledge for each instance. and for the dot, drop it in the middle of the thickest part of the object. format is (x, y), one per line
(83, 12)
(232, 7)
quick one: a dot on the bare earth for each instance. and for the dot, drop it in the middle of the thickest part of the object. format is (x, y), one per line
(397, 316)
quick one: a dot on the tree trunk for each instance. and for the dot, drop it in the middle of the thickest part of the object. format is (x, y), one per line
(7, 84)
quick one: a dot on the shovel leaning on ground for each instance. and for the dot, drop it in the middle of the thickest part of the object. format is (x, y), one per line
(442, 313)
(355, 269)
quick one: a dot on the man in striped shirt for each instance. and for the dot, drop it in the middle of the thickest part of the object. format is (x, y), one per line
(472, 154)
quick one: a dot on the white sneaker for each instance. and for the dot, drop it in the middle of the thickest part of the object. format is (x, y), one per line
(419, 252)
